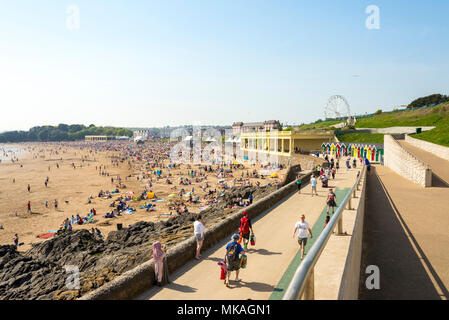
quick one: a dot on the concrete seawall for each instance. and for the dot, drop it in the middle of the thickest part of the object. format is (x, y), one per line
(406, 164)
(134, 282)
(439, 151)
(349, 287)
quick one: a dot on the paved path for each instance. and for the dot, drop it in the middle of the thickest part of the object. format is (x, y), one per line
(406, 234)
(440, 167)
(267, 263)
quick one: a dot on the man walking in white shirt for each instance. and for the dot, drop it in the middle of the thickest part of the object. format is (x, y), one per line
(199, 227)
(303, 228)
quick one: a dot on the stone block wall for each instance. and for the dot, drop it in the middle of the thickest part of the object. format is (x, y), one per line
(406, 164)
(440, 151)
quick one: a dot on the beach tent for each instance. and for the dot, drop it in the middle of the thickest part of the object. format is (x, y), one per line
(151, 195)
(274, 175)
(90, 217)
(130, 192)
(172, 195)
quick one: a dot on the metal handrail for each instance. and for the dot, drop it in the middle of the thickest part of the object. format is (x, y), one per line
(301, 278)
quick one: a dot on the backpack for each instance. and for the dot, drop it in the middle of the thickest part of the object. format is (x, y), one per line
(244, 225)
(232, 253)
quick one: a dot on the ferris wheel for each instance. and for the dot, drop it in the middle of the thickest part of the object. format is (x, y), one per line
(337, 107)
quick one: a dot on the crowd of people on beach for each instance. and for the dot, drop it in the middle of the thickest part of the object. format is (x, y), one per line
(195, 187)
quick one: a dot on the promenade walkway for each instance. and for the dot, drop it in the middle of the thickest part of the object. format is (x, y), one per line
(406, 233)
(271, 263)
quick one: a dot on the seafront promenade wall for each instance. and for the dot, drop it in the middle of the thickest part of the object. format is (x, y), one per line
(406, 164)
(440, 151)
(349, 286)
(292, 171)
(136, 281)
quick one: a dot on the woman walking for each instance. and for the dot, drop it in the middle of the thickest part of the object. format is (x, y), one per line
(160, 264)
(199, 227)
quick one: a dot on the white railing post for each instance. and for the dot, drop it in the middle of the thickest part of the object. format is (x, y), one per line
(349, 204)
(340, 226)
(309, 290)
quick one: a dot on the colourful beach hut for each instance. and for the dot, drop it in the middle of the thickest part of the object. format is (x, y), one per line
(338, 149)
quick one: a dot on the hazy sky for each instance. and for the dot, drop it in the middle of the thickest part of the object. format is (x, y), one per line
(169, 62)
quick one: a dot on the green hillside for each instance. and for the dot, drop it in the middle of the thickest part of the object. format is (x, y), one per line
(361, 137)
(437, 116)
(319, 125)
(412, 118)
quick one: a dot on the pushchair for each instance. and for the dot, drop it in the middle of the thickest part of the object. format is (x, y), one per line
(324, 181)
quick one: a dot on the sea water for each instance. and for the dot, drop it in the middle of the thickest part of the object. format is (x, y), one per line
(8, 152)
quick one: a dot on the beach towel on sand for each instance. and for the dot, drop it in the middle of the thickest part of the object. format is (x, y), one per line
(46, 235)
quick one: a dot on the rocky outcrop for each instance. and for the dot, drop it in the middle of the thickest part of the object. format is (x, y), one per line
(40, 273)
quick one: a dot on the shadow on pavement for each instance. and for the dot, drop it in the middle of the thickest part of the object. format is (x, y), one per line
(437, 182)
(263, 252)
(255, 286)
(387, 245)
(213, 259)
(181, 288)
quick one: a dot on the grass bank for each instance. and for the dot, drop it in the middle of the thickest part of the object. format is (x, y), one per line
(361, 137)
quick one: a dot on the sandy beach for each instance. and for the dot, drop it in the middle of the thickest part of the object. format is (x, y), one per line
(72, 187)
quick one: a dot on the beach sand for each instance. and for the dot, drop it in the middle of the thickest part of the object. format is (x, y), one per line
(75, 186)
